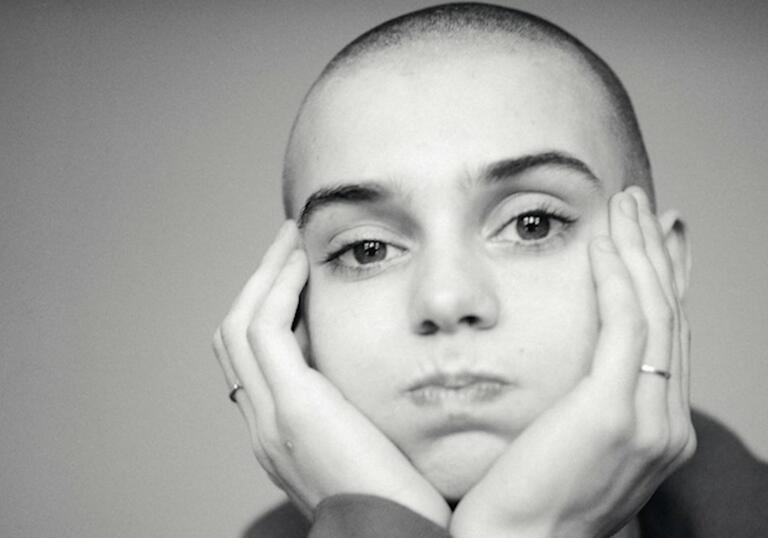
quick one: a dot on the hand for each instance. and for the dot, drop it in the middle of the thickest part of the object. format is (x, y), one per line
(587, 465)
(306, 436)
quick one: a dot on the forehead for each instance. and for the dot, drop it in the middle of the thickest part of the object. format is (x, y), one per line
(427, 117)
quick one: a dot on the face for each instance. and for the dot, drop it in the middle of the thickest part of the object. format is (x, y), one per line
(452, 201)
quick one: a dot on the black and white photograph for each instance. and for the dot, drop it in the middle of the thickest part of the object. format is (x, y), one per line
(403, 269)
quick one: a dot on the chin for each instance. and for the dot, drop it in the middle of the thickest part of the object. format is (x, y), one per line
(456, 462)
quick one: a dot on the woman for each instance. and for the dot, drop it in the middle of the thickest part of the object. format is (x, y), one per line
(491, 339)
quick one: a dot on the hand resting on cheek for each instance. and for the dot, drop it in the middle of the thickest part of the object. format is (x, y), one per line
(310, 440)
(587, 465)
(583, 468)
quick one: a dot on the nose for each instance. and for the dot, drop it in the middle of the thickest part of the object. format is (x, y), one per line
(452, 292)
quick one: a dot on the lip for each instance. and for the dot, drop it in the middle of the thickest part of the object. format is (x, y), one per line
(457, 388)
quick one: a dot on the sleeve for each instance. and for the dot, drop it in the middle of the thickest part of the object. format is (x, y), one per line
(721, 491)
(366, 516)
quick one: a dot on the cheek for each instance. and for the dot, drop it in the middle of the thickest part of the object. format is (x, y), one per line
(352, 332)
(551, 319)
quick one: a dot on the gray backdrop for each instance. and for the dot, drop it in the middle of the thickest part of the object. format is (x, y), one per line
(141, 149)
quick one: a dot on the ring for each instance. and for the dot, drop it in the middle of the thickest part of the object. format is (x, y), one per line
(648, 369)
(234, 390)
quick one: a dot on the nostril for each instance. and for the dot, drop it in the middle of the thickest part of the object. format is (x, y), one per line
(428, 327)
(470, 320)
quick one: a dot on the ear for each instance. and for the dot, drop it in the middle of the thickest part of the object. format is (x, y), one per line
(676, 240)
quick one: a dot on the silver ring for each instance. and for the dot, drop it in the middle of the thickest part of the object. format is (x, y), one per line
(648, 369)
(234, 390)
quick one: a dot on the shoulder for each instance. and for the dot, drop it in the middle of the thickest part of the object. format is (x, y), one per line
(721, 491)
(283, 521)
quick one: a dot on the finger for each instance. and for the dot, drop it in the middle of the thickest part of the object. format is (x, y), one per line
(661, 261)
(679, 404)
(246, 409)
(235, 325)
(653, 426)
(249, 376)
(274, 344)
(270, 266)
(621, 341)
(625, 229)
(220, 351)
(265, 460)
(685, 359)
(654, 243)
(681, 435)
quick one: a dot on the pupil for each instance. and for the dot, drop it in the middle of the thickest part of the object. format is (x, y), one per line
(369, 251)
(533, 226)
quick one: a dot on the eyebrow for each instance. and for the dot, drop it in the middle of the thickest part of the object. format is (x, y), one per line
(498, 171)
(509, 168)
(348, 192)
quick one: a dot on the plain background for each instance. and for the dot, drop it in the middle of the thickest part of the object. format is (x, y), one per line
(141, 151)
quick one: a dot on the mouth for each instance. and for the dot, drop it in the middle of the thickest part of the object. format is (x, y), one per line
(465, 387)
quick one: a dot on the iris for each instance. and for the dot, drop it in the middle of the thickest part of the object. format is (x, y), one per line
(369, 252)
(533, 226)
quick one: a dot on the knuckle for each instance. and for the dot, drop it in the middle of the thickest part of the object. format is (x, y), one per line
(257, 330)
(216, 342)
(262, 322)
(254, 330)
(690, 446)
(292, 418)
(653, 443)
(678, 438)
(615, 426)
(231, 328)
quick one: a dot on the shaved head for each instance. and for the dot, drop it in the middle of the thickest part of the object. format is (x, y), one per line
(438, 32)
(448, 172)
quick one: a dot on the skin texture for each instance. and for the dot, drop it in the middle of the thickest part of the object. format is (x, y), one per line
(562, 322)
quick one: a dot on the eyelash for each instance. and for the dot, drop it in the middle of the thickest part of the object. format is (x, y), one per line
(332, 259)
(547, 210)
(543, 208)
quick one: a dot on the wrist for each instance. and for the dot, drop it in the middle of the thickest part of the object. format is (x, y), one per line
(463, 528)
(470, 521)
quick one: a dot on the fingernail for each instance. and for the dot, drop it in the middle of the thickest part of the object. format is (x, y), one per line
(605, 244)
(641, 198)
(628, 206)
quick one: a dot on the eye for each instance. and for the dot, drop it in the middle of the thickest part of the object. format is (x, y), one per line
(535, 228)
(365, 254)
(369, 252)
